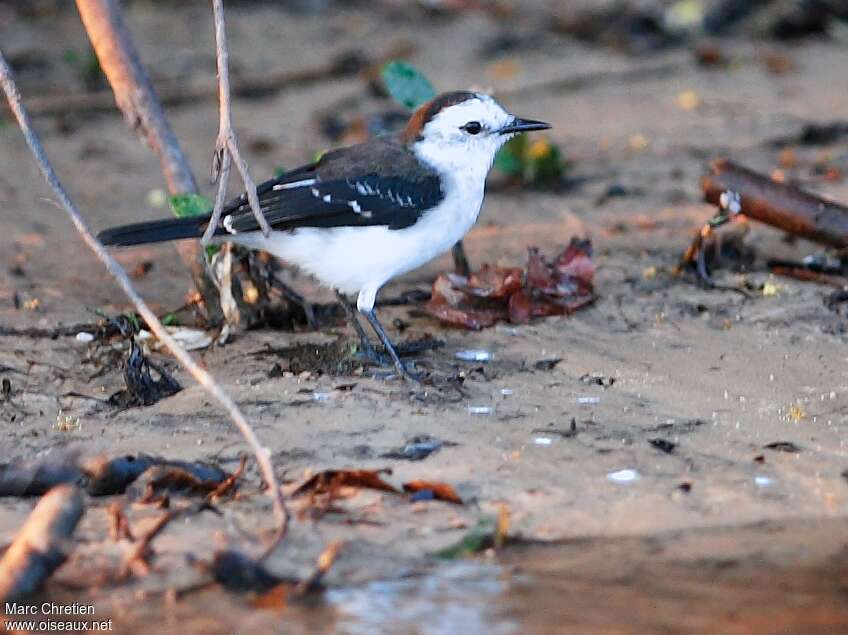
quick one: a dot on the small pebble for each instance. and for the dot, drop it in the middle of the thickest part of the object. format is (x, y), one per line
(474, 355)
(84, 337)
(623, 476)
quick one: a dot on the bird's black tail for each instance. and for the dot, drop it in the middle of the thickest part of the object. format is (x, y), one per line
(155, 231)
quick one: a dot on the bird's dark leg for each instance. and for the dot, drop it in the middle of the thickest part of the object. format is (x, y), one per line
(367, 348)
(387, 344)
(460, 260)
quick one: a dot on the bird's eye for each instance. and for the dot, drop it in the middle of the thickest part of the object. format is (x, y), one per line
(472, 127)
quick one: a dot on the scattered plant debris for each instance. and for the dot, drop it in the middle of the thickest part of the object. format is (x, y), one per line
(239, 572)
(565, 434)
(786, 207)
(427, 490)
(663, 445)
(547, 364)
(597, 379)
(137, 561)
(330, 481)
(142, 389)
(742, 193)
(495, 294)
(119, 526)
(488, 533)
(103, 476)
(783, 446)
(193, 478)
(417, 448)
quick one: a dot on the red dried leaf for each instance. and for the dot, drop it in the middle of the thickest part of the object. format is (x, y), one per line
(540, 275)
(576, 262)
(494, 283)
(330, 480)
(471, 319)
(441, 491)
(451, 304)
(520, 307)
(493, 294)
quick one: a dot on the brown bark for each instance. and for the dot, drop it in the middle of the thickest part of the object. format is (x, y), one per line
(135, 96)
(39, 547)
(783, 206)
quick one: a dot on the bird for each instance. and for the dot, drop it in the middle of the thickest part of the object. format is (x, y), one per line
(361, 215)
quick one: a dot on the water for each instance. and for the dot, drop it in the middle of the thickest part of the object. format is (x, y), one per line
(766, 578)
(435, 604)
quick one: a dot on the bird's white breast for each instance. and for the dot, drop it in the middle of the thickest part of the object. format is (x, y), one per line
(362, 259)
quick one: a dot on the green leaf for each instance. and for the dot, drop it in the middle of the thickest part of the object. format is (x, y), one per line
(134, 320)
(211, 250)
(479, 538)
(547, 169)
(171, 319)
(183, 205)
(406, 84)
(510, 159)
(534, 161)
(279, 171)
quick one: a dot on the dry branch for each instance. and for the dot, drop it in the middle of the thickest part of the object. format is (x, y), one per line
(226, 146)
(783, 206)
(200, 375)
(135, 96)
(39, 547)
(137, 559)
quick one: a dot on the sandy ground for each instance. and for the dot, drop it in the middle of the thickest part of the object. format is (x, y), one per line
(710, 371)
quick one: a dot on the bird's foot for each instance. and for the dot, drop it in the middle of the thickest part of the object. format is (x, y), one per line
(411, 376)
(365, 352)
(370, 355)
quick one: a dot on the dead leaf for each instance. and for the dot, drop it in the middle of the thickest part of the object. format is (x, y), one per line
(495, 294)
(441, 491)
(330, 481)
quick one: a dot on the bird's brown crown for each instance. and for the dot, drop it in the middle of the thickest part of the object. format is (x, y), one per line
(425, 113)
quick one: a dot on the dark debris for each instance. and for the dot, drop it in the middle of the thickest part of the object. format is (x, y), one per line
(142, 389)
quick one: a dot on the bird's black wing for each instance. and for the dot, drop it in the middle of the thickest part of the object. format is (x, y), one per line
(345, 189)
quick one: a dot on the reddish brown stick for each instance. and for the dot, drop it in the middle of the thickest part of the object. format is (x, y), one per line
(40, 546)
(783, 206)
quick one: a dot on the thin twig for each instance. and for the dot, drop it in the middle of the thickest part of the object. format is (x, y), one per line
(220, 194)
(325, 562)
(119, 526)
(200, 375)
(137, 558)
(226, 146)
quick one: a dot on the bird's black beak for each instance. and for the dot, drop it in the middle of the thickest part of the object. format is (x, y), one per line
(523, 125)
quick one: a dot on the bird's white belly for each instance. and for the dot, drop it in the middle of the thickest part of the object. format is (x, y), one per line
(362, 259)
